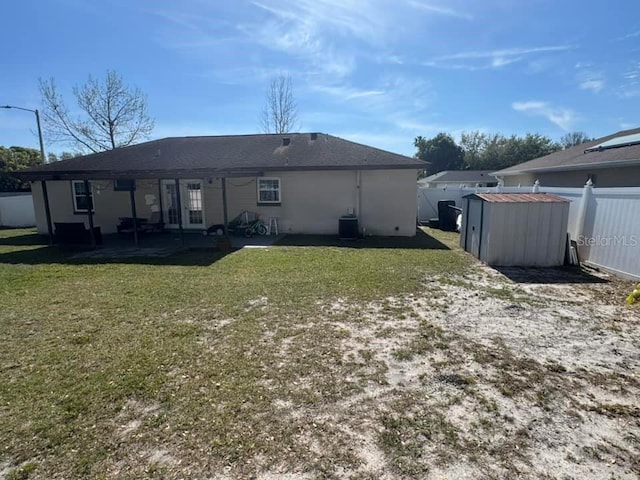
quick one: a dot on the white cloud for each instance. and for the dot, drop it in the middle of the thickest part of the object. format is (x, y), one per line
(632, 35)
(478, 60)
(562, 117)
(439, 9)
(589, 79)
(630, 87)
(593, 85)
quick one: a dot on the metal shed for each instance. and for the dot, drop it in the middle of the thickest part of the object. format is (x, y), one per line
(515, 229)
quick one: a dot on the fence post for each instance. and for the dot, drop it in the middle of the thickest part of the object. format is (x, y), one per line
(587, 193)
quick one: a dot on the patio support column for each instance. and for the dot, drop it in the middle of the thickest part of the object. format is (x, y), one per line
(132, 198)
(225, 214)
(47, 210)
(87, 193)
(160, 199)
(179, 208)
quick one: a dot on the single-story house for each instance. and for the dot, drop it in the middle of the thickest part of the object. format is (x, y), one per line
(612, 161)
(459, 178)
(305, 180)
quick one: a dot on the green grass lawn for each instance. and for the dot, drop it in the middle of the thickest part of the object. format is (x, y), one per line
(145, 368)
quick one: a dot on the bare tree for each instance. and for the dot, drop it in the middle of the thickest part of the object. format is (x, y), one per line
(113, 114)
(280, 113)
(572, 139)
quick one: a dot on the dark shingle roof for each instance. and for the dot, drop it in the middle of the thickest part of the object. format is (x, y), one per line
(225, 155)
(470, 176)
(575, 158)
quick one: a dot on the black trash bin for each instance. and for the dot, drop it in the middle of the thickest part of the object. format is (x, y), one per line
(446, 215)
(348, 227)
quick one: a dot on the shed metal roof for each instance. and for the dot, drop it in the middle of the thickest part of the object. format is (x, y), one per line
(517, 197)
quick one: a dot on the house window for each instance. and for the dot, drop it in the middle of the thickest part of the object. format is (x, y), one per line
(268, 191)
(80, 202)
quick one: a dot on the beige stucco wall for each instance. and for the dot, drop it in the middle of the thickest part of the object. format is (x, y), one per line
(609, 177)
(311, 202)
(108, 204)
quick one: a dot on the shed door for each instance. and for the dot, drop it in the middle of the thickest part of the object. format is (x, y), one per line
(473, 227)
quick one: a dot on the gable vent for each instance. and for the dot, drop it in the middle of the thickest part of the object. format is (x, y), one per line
(286, 141)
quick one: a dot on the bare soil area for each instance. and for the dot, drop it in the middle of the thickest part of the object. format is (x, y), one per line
(515, 374)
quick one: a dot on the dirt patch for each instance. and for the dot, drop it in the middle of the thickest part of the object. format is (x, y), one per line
(485, 377)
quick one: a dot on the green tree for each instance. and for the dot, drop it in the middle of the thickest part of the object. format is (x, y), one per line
(52, 157)
(13, 159)
(572, 139)
(441, 151)
(484, 151)
(112, 114)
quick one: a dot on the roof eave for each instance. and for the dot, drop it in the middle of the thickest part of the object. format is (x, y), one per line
(191, 173)
(562, 168)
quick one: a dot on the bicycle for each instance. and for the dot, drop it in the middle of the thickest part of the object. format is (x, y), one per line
(255, 227)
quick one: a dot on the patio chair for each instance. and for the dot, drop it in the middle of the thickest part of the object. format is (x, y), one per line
(153, 225)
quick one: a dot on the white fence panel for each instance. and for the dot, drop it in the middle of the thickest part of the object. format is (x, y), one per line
(611, 236)
(17, 211)
(574, 195)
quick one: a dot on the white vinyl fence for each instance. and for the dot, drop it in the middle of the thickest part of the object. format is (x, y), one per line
(605, 222)
(16, 210)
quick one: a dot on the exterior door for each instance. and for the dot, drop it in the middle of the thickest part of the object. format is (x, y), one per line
(192, 203)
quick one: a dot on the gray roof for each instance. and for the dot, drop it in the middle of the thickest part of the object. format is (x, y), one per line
(460, 176)
(578, 157)
(229, 155)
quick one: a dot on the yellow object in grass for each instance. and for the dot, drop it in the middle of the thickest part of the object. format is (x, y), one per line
(634, 296)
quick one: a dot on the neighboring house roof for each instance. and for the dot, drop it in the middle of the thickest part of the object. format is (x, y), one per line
(180, 157)
(601, 153)
(460, 176)
(517, 197)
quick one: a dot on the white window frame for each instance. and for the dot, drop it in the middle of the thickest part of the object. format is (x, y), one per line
(75, 196)
(279, 190)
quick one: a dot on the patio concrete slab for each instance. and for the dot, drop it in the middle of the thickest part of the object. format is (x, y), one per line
(117, 246)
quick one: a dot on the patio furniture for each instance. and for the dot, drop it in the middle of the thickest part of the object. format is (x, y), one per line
(76, 233)
(154, 225)
(126, 224)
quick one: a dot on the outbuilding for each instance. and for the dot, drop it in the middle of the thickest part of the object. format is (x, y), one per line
(515, 229)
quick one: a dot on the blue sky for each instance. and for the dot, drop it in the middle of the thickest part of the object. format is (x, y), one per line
(378, 72)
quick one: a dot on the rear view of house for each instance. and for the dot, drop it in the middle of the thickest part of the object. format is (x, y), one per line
(306, 180)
